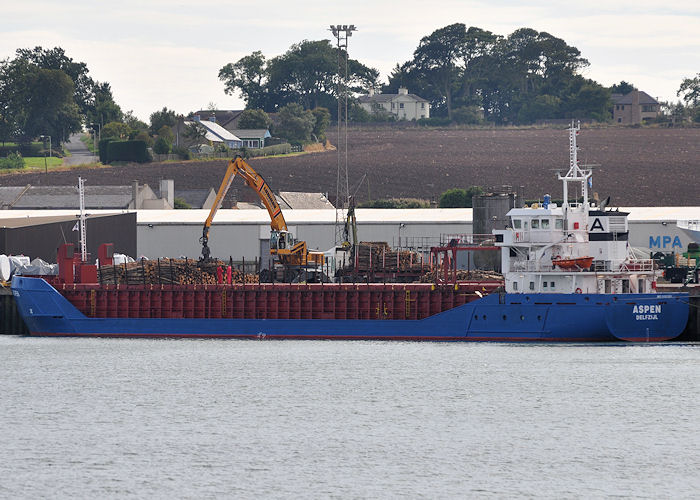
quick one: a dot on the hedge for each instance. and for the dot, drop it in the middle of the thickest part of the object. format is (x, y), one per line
(126, 151)
(277, 149)
(102, 149)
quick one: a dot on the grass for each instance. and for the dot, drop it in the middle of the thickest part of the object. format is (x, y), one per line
(89, 143)
(38, 162)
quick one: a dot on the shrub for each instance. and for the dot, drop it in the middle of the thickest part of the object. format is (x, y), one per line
(13, 160)
(127, 151)
(161, 146)
(459, 198)
(183, 153)
(180, 203)
(435, 121)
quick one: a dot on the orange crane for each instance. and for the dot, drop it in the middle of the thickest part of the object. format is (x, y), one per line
(291, 253)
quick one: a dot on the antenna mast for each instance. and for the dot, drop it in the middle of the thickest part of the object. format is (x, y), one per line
(575, 172)
(342, 189)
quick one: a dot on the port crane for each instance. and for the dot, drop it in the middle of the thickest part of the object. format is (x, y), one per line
(293, 254)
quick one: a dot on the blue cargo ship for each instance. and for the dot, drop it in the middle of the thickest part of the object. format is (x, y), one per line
(569, 276)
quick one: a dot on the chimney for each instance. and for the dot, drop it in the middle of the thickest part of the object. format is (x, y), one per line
(167, 191)
(403, 91)
(636, 108)
(135, 194)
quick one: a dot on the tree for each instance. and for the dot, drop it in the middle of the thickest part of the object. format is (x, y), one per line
(306, 74)
(116, 130)
(166, 133)
(254, 118)
(56, 59)
(133, 122)
(438, 57)
(249, 76)
(323, 119)
(623, 88)
(102, 108)
(295, 123)
(690, 89)
(164, 117)
(195, 133)
(49, 108)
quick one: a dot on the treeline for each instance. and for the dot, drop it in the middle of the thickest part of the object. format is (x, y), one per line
(469, 75)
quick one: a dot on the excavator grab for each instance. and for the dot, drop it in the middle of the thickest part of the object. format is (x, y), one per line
(290, 252)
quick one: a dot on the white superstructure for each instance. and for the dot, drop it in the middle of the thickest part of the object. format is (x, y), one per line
(573, 248)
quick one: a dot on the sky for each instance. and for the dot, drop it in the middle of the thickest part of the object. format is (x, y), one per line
(158, 53)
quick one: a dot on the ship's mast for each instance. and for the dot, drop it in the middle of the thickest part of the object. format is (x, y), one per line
(575, 173)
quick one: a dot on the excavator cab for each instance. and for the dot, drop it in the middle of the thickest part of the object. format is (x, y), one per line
(281, 240)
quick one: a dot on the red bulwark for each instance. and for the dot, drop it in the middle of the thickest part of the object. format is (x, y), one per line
(272, 301)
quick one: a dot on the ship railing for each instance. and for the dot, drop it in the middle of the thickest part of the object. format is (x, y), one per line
(530, 266)
(637, 265)
(470, 240)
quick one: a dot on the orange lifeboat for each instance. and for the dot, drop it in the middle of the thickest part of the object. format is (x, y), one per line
(573, 263)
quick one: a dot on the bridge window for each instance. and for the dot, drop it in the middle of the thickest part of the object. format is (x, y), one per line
(558, 224)
(535, 224)
(517, 223)
(545, 223)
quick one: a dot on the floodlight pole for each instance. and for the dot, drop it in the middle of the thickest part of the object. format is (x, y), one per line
(342, 32)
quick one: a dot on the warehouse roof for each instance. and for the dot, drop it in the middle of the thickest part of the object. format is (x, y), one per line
(324, 216)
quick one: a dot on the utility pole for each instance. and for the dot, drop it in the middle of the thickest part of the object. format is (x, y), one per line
(342, 192)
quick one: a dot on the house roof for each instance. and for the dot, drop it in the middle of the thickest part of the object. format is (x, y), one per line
(57, 197)
(251, 133)
(311, 201)
(215, 132)
(193, 197)
(223, 116)
(389, 98)
(644, 98)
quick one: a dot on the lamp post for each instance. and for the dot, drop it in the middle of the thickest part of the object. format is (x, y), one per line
(96, 136)
(401, 226)
(46, 168)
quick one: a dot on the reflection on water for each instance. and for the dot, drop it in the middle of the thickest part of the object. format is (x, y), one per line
(162, 418)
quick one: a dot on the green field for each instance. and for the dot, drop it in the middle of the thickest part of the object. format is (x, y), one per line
(38, 162)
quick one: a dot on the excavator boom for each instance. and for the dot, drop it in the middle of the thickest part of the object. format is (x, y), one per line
(238, 166)
(282, 243)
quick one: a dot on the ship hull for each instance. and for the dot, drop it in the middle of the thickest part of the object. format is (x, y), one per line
(495, 317)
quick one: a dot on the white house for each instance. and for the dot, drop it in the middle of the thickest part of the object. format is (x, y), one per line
(217, 133)
(403, 106)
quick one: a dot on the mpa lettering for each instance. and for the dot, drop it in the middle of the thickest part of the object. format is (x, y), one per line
(664, 242)
(644, 312)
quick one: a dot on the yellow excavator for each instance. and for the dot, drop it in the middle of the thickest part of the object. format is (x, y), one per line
(292, 254)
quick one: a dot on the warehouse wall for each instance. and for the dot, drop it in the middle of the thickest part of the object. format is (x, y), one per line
(42, 240)
(244, 239)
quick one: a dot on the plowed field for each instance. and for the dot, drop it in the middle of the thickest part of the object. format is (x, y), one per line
(636, 167)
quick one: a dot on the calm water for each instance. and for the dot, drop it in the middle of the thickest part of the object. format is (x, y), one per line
(95, 418)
